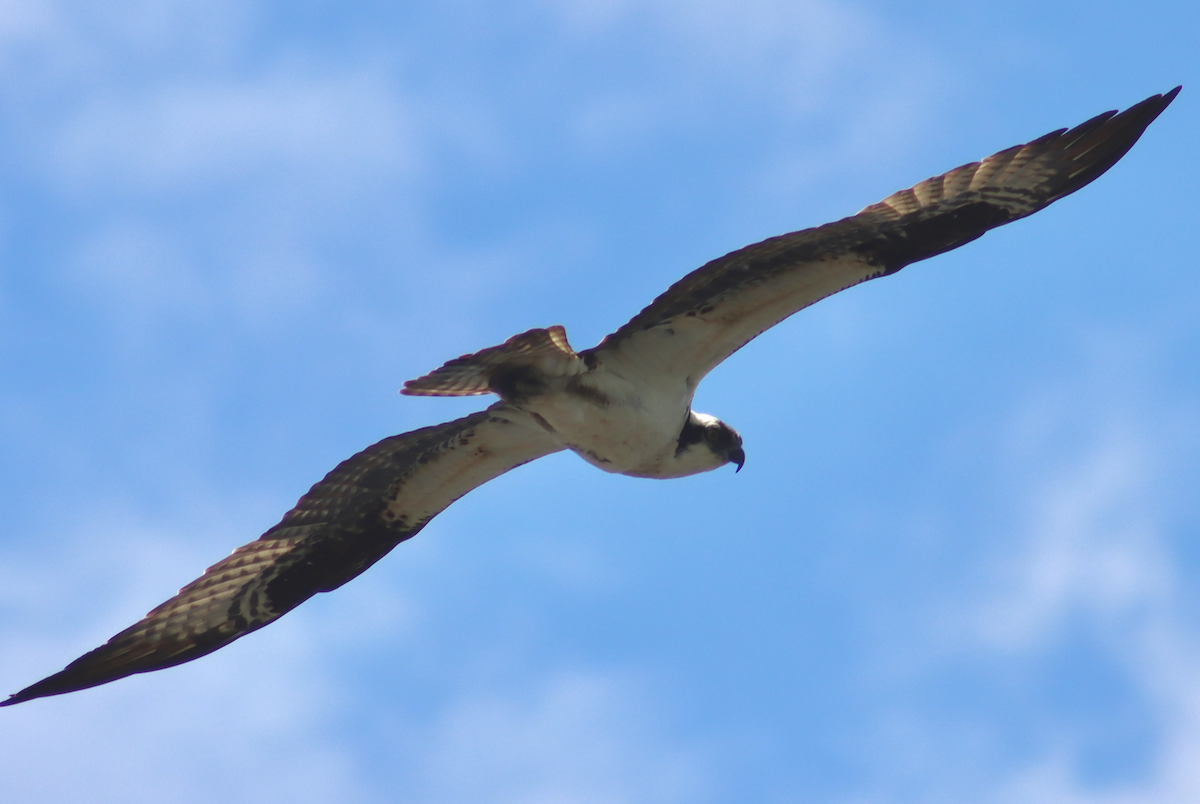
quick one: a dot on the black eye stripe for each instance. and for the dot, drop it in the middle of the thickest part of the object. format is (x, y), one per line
(715, 436)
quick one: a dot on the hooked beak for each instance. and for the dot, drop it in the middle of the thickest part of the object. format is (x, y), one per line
(737, 455)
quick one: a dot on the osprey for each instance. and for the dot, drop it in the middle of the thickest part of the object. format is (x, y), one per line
(623, 406)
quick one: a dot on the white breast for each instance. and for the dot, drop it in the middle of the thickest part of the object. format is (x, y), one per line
(614, 424)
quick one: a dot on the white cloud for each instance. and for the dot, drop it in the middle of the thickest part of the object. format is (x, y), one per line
(244, 723)
(26, 19)
(186, 135)
(1100, 548)
(65, 50)
(133, 116)
(1092, 545)
(222, 734)
(800, 55)
(263, 719)
(579, 738)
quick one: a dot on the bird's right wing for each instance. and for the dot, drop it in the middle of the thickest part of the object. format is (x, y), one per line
(715, 310)
(344, 524)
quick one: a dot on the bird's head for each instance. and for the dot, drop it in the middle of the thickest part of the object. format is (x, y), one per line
(706, 443)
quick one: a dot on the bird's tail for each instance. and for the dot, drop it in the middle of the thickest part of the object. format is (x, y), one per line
(513, 368)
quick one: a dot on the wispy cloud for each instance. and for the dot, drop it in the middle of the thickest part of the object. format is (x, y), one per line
(305, 126)
(575, 737)
(1098, 559)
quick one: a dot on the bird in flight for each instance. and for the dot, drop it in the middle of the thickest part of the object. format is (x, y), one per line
(623, 406)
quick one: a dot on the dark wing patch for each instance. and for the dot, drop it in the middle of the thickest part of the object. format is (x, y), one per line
(716, 309)
(344, 524)
(513, 369)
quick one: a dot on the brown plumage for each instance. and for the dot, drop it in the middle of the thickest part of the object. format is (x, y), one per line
(623, 405)
(344, 524)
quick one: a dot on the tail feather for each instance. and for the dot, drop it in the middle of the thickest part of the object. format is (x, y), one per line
(544, 352)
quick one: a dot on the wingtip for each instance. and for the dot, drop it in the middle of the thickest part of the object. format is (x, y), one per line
(1166, 98)
(51, 685)
(1153, 106)
(18, 698)
(1147, 111)
(57, 684)
(29, 693)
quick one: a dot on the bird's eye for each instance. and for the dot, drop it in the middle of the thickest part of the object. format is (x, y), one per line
(712, 433)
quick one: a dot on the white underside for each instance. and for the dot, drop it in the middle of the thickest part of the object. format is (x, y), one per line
(636, 433)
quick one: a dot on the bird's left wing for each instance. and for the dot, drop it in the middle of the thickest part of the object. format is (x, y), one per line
(713, 311)
(344, 524)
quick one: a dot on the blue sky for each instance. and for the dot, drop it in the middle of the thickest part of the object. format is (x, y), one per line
(961, 562)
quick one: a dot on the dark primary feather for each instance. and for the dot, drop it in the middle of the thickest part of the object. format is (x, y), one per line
(343, 525)
(939, 214)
